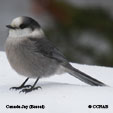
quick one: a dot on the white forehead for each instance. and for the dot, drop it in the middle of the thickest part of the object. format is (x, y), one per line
(17, 21)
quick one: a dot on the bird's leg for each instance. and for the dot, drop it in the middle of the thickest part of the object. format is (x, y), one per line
(22, 85)
(26, 90)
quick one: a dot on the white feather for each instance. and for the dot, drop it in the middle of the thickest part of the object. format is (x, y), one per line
(27, 32)
(17, 21)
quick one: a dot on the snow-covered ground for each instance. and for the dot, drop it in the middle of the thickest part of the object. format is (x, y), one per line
(59, 94)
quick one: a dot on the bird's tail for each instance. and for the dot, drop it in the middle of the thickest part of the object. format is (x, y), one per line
(83, 77)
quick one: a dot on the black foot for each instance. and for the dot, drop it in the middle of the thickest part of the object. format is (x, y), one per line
(20, 87)
(30, 89)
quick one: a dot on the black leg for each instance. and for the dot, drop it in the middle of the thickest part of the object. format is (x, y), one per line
(22, 85)
(31, 88)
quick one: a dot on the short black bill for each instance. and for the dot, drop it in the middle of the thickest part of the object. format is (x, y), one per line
(10, 27)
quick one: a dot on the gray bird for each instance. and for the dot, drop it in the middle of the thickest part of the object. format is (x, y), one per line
(30, 54)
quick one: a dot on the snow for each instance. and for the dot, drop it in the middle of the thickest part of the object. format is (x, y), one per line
(59, 93)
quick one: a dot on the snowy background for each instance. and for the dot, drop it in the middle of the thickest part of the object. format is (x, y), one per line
(59, 94)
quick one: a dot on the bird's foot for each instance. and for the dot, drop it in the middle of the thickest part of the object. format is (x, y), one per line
(20, 87)
(26, 90)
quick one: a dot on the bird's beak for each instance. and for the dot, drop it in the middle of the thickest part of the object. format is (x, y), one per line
(10, 27)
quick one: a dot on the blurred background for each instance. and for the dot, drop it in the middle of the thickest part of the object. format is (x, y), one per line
(81, 29)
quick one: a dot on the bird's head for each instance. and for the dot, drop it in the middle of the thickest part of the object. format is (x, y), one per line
(24, 27)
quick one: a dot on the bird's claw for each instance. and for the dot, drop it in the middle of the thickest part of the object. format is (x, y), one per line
(29, 90)
(27, 86)
(20, 87)
(14, 88)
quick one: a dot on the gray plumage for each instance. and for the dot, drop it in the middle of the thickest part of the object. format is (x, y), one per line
(32, 55)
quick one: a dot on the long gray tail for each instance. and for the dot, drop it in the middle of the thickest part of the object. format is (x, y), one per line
(83, 77)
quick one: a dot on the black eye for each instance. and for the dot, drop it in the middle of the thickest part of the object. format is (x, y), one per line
(22, 26)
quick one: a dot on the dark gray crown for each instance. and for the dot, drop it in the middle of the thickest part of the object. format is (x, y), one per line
(28, 22)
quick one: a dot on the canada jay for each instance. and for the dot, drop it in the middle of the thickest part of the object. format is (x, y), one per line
(32, 55)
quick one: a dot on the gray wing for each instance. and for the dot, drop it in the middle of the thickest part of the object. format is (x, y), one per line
(46, 48)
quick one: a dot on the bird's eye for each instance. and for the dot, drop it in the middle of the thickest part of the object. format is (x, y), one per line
(22, 26)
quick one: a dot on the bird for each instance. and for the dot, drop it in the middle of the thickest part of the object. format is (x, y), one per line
(32, 55)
